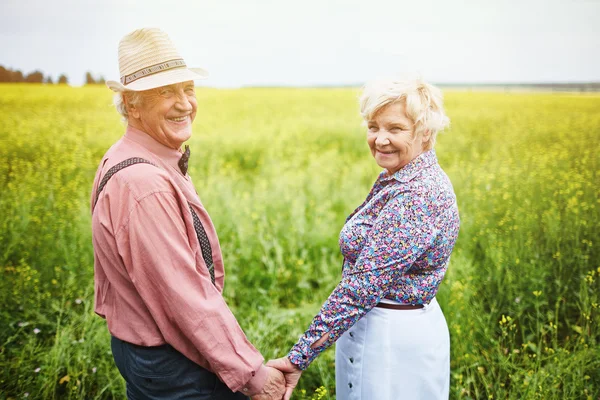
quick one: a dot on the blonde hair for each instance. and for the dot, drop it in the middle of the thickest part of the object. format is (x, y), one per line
(133, 99)
(423, 102)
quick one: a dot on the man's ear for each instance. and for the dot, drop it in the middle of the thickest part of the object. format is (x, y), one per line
(132, 110)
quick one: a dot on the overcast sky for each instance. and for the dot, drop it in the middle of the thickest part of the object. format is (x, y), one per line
(315, 42)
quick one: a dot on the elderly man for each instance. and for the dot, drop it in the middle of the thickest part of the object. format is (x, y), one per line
(158, 266)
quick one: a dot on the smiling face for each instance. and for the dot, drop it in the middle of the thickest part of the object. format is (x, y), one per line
(166, 113)
(391, 137)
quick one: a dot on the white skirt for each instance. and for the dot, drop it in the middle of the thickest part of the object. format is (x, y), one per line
(395, 355)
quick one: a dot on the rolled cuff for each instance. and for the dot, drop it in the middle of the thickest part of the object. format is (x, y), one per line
(256, 384)
(301, 356)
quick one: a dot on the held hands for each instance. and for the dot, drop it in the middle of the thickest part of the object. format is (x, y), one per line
(275, 386)
(291, 372)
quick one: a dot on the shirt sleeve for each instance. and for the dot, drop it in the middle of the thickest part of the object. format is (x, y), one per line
(186, 306)
(403, 230)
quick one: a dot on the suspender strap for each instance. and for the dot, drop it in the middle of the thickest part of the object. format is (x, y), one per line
(200, 232)
(204, 244)
(116, 168)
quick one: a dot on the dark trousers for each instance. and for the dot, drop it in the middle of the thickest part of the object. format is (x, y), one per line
(163, 373)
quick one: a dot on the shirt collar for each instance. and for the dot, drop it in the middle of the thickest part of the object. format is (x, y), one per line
(167, 154)
(410, 170)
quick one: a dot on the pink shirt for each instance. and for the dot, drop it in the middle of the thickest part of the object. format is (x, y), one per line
(151, 283)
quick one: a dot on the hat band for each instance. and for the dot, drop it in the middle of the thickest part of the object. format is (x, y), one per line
(154, 69)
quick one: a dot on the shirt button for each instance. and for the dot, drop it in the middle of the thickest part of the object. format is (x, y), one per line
(351, 359)
(245, 389)
(350, 385)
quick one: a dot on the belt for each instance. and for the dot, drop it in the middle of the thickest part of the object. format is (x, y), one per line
(400, 306)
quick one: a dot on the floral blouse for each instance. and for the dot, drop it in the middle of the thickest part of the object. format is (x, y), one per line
(396, 245)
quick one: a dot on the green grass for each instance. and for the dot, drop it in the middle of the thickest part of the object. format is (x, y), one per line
(279, 170)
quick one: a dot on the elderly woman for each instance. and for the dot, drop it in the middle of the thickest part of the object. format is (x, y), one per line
(392, 337)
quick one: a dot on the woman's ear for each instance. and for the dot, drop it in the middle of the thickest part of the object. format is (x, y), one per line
(426, 136)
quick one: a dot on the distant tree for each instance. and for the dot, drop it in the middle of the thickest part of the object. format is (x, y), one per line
(4, 74)
(89, 79)
(16, 76)
(101, 80)
(35, 77)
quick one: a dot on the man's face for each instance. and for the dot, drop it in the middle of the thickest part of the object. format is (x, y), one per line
(166, 113)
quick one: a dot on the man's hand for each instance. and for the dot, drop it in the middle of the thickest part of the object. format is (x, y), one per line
(275, 386)
(292, 374)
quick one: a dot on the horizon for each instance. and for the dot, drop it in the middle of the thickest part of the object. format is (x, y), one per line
(557, 84)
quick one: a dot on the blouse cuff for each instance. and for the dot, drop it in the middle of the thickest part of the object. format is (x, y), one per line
(301, 355)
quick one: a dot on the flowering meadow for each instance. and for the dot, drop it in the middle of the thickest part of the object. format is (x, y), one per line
(279, 170)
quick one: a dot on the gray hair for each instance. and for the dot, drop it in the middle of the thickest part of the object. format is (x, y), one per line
(423, 101)
(133, 99)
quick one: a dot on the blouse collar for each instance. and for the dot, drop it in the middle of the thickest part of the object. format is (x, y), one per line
(410, 170)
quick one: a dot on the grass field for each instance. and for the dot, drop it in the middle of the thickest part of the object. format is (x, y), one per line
(279, 170)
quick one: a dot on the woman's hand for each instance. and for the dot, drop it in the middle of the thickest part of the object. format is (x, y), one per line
(291, 373)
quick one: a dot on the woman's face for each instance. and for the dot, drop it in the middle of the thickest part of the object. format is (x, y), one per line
(391, 138)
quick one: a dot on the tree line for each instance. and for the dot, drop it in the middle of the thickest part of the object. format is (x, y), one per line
(16, 76)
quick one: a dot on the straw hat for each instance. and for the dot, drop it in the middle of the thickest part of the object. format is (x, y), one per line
(148, 59)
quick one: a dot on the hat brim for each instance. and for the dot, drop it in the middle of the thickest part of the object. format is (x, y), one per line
(160, 79)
